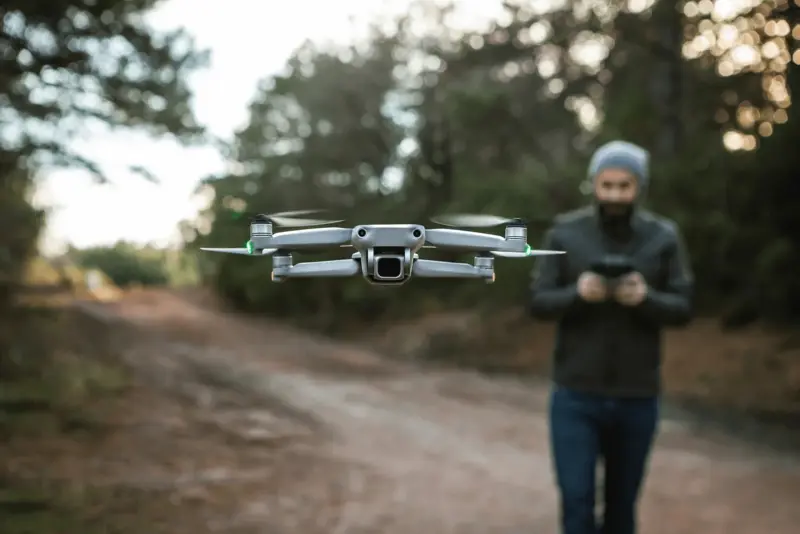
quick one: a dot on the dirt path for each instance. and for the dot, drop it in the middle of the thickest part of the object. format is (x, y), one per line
(383, 447)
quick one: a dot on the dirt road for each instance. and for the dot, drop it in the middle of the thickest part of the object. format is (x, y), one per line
(325, 437)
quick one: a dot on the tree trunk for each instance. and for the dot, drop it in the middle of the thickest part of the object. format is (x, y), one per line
(667, 89)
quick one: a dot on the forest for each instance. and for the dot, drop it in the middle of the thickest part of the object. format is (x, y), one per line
(424, 119)
(418, 116)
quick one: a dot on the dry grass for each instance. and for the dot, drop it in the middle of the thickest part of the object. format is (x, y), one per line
(54, 395)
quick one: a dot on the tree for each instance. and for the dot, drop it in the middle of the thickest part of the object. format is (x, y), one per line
(503, 119)
(70, 63)
(21, 223)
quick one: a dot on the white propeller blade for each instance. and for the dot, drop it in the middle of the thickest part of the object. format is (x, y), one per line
(535, 252)
(241, 251)
(471, 220)
(292, 222)
(529, 253)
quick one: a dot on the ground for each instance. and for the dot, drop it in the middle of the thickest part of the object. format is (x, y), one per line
(239, 425)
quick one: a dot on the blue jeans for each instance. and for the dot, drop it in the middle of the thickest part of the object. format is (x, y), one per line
(586, 427)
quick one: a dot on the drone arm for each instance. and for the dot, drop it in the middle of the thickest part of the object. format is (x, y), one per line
(552, 298)
(464, 240)
(319, 269)
(309, 238)
(447, 269)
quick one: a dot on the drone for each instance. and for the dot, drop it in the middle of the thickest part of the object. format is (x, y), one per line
(385, 254)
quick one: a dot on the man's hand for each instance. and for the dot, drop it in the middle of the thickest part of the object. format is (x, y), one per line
(632, 290)
(592, 287)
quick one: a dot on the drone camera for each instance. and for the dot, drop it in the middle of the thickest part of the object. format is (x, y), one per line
(388, 267)
(389, 264)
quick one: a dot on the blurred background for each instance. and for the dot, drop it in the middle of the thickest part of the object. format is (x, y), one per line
(133, 132)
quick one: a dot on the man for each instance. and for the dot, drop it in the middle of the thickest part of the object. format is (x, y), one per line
(606, 365)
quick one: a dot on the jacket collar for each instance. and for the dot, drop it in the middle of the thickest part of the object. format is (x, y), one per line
(634, 223)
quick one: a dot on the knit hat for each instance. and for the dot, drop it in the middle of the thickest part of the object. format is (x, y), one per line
(622, 155)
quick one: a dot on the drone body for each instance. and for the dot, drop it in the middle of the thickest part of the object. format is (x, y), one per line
(385, 254)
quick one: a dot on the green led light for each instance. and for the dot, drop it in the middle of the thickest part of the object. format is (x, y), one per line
(528, 250)
(249, 246)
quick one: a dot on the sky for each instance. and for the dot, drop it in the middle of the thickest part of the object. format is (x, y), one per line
(239, 34)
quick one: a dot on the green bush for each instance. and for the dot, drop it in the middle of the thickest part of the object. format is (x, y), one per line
(125, 264)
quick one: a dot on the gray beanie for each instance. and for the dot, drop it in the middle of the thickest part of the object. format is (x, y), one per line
(622, 155)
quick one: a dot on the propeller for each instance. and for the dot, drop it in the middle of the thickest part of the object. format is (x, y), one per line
(529, 252)
(291, 219)
(473, 220)
(243, 251)
(286, 219)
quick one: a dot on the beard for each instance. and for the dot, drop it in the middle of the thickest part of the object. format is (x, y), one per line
(615, 210)
(615, 216)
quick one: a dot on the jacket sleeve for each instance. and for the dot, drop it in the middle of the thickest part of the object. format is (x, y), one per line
(551, 298)
(672, 306)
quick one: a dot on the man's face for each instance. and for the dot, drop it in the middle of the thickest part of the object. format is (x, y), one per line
(616, 190)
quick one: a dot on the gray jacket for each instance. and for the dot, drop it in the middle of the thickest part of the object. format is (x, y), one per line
(605, 347)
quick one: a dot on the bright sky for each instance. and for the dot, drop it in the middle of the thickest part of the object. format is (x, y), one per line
(239, 33)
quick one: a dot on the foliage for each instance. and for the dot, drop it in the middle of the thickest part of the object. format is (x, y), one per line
(127, 264)
(68, 67)
(71, 66)
(21, 223)
(55, 383)
(503, 119)
(123, 263)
